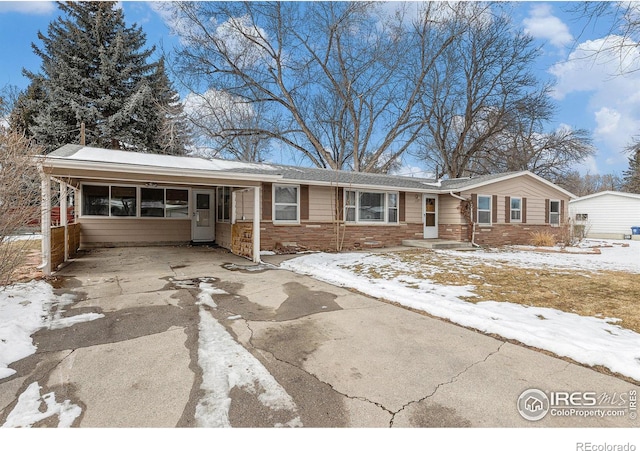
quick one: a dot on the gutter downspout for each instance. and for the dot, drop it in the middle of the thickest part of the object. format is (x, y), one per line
(473, 224)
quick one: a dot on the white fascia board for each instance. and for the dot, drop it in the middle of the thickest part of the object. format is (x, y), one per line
(605, 193)
(511, 176)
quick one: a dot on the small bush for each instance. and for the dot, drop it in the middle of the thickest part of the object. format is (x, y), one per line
(543, 239)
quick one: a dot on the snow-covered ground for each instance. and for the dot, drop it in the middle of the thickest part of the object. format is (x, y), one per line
(589, 340)
(24, 309)
(27, 308)
(227, 364)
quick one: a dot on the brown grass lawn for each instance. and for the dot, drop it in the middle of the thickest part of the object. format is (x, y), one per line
(602, 294)
(28, 255)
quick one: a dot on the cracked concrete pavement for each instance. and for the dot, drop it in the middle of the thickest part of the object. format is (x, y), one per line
(346, 360)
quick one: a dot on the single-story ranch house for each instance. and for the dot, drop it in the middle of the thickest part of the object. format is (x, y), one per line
(608, 214)
(126, 198)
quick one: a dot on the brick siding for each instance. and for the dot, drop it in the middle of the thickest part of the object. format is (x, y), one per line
(322, 236)
(506, 234)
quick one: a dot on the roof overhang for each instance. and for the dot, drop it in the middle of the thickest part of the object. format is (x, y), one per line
(607, 193)
(56, 163)
(513, 175)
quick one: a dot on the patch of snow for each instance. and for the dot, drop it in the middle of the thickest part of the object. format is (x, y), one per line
(589, 340)
(207, 290)
(614, 258)
(24, 309)
(267, 253)
(227, 364)
(28, 237)
(29, 409)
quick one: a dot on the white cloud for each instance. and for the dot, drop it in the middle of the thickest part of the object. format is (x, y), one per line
(607, 119)
(599, 65)
(609, 75)
(27, 7)
(542, 24)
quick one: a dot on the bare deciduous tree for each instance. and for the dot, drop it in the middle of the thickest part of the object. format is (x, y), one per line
(19, 197)
(586, 184)
(483, 105)
(338, 82)
(624, 27)
(524, 145)
(217, 116)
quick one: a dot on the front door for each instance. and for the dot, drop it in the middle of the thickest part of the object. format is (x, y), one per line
(430, 215)
(203, 220)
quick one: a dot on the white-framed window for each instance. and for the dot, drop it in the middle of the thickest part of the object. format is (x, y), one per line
(516, 209)
(371, 206)
(286, 203)
(392, 208)
(224, 203)
(484, 210)
(134, 201)
(350, 206)
(554, 212)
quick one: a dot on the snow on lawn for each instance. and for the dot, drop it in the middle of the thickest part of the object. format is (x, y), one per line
(589, 340)
(227, 364)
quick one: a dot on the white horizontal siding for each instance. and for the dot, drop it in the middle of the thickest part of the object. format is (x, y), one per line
(608, 214)
(131, 231)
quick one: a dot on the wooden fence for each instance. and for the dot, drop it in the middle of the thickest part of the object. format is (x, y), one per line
(58, 244)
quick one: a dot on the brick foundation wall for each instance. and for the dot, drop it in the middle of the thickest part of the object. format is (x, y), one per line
(505, 234)
(456, 232)
(322, 236)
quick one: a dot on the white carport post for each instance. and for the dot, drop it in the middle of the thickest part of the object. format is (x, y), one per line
(256, 224)
(45, 221)
(63, 218)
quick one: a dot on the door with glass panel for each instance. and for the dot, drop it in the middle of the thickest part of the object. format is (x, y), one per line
(430, 215)
(203, 220)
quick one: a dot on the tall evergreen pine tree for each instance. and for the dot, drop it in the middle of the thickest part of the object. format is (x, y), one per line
(95, 70)
(632, 175)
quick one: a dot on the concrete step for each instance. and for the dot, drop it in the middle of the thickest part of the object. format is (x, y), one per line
(437, 244)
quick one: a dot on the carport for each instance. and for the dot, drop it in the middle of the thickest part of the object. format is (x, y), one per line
(117, 198)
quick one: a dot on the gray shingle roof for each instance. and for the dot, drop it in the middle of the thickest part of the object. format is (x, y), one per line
(342, 178)
(272, 171)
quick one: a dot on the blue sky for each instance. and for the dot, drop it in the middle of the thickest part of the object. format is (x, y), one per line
(588, 92)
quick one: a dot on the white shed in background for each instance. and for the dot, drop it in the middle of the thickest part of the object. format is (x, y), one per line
(608, 214)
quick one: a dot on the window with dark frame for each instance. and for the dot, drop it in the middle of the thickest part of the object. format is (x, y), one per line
(224, 203)
(123, 201)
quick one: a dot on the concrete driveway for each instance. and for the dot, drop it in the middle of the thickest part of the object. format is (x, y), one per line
(337, 358)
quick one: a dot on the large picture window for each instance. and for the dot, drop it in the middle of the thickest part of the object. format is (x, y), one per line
(370, 206)
(123, 201)
(286, 203)
(177, 205)
(152, 202)
(131, 201)
(95, 200)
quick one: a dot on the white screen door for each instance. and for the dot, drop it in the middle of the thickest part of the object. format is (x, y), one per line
(203, 221)
(430, 215)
